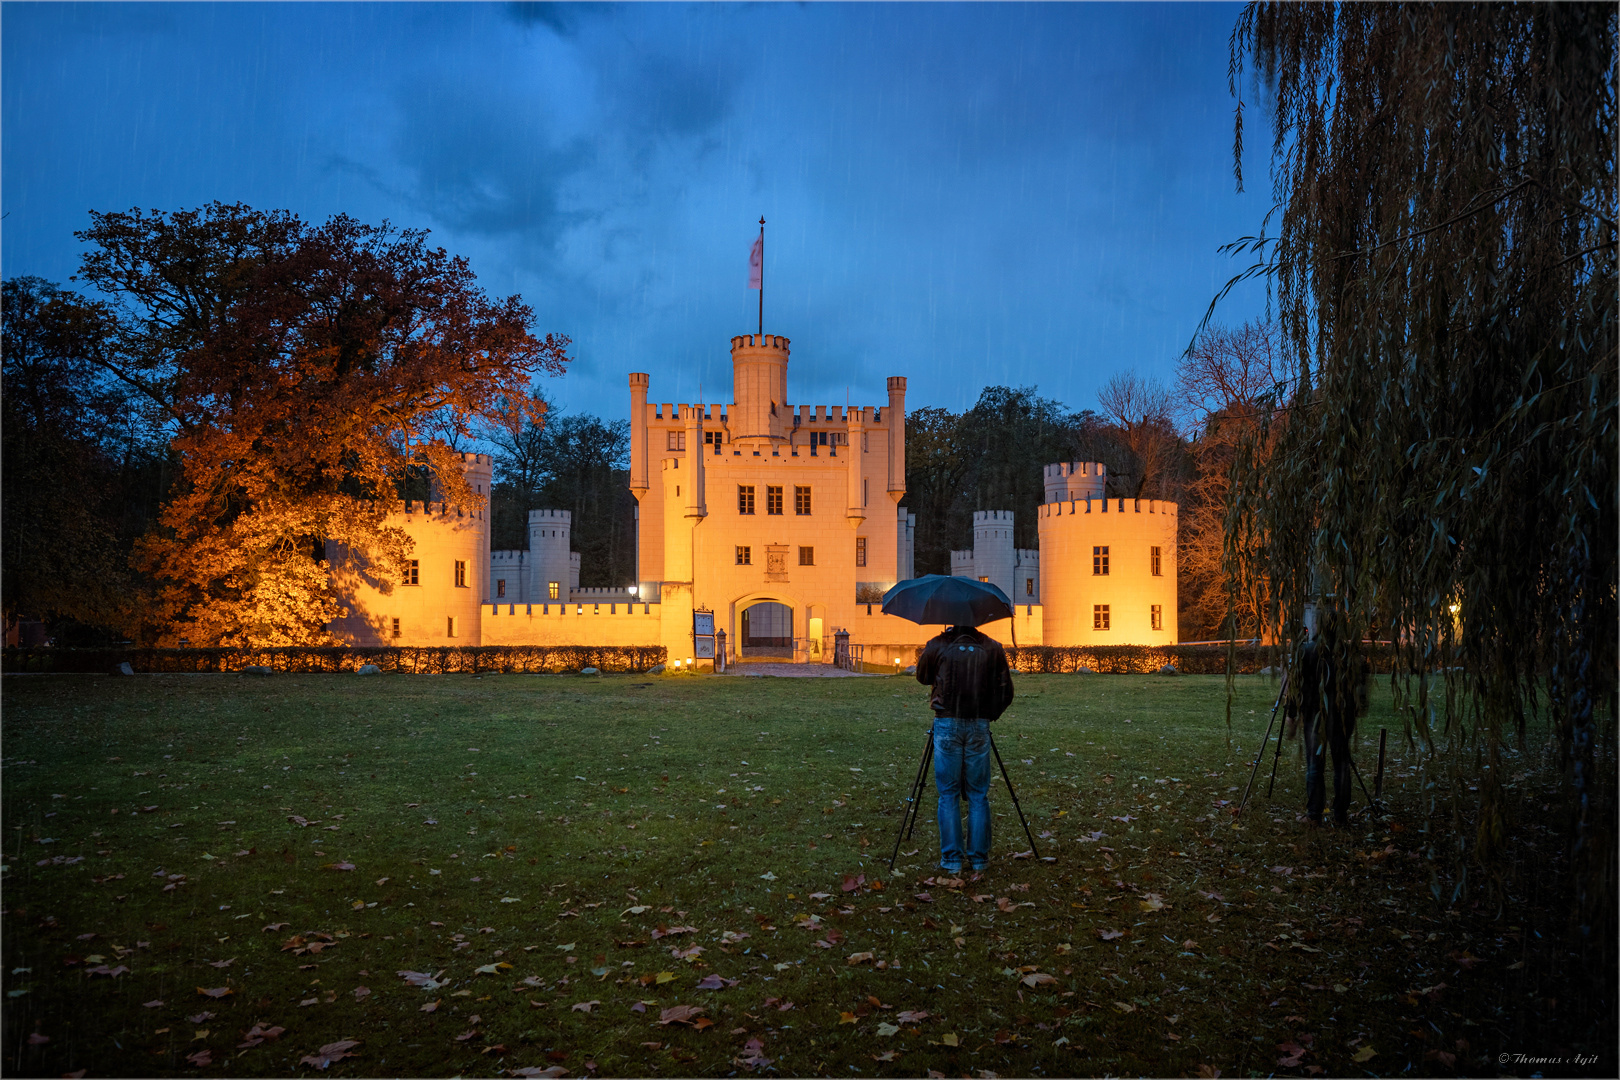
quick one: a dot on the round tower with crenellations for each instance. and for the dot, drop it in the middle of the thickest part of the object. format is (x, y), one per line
(759, 417)
(549, 538)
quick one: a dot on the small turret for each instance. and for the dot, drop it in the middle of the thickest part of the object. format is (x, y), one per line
(1067, 481)
(549, 555)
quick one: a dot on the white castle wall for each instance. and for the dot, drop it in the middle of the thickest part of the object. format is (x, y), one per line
(436, 610)
(1070, 533)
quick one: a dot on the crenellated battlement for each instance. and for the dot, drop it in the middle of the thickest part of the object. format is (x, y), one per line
(1107, 506)
(992, 517)
(760, 341)
(675, 413)
(1071, 480)
(551, 517)
(509, 556)
(477, 459)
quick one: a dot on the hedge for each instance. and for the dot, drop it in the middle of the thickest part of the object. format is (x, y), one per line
(1146, 659)
(441, 660)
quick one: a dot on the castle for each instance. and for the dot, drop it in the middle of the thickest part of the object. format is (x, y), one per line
(778, 526)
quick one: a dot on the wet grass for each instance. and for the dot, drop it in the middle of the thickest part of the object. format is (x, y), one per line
(567, 858)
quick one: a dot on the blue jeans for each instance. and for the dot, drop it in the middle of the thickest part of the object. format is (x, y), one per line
(962, 770)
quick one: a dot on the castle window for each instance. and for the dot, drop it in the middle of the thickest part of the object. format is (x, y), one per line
(745, 555)
(450, 626)
(773, 500)
(801, 501)
(807, 556)
(500, 588)
(413, 572)
(1099, 561)
(396, 628)
(1154, 559)
(714, 439)
(552, 588)
(863, 490)
(1099, 617)
(677, 440)
(1158, 617)
(461, 574)
(984, 579)
(745, 499)
(1029, 586)
(866, 442)
(860, 551)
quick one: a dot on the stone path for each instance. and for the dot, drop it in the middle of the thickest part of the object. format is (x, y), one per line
(797, 671)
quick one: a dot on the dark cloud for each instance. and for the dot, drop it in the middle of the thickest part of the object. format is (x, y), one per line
(488, 164)
(562, 19)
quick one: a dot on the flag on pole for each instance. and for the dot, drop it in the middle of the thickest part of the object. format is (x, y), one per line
(756, 263)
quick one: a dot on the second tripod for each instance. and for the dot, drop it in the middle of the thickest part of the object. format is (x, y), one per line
(908, 816)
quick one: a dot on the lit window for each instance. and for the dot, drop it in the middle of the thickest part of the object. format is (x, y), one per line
(807, 556)
(745, 499)
(1099, 561)
(860, 551)
(801, 501)
(396, 628)
(745, 555)
(1029, 586)
(677, 440)
(773, 500)
(450, 626)
(500, 588)
(413, 571)
(1157, 572)
(1158, 615)
(984, 579)
(551, 589)
(461, 574)
(1099, 617)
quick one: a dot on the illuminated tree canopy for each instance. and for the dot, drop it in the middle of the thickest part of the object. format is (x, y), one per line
(306, 373)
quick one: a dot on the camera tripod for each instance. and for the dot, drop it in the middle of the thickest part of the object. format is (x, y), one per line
(908, 817)
(1373, 802)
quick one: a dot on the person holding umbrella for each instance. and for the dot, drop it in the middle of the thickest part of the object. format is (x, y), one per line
(972, 686)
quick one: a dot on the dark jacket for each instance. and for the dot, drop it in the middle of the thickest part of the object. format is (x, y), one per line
(969, 674)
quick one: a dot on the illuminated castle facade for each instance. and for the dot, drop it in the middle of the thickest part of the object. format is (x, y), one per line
(784, 525)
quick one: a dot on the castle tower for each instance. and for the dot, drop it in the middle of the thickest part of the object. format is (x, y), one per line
(993, 557)
(639, 381)
(759, 416)
(896, 417)
(549, 555)
(1067, 481)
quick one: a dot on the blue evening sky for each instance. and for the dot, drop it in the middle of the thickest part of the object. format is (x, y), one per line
(962, 194)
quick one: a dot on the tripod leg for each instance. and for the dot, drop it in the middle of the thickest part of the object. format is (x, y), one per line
(1372, 803)
(1272, 783)
(908, 811)
(922, 785)
(1257, 759)
(1014, 795)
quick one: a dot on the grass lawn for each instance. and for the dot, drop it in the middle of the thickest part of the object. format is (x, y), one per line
(635, 876)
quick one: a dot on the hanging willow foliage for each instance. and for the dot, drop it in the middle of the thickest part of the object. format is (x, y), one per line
(1441, 464)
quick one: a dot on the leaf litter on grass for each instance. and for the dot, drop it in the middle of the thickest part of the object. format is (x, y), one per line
(1064, 909)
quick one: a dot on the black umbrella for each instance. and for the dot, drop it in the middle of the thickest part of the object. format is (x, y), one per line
(947, 601)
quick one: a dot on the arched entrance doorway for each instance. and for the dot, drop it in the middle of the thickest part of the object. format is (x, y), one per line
(767, 629)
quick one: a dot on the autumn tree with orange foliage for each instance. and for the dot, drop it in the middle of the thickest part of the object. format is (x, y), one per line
(1227, 381)
(308, 374)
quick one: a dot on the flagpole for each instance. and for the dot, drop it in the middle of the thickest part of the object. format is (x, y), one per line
(762, 280)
